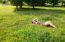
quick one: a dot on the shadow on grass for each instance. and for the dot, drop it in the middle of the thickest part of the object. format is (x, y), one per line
(38, 11)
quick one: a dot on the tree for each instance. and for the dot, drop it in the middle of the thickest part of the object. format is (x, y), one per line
(63, 2)
(16, 3)
(42, 2)
(34, 3)
(54, 2)
(30, 2)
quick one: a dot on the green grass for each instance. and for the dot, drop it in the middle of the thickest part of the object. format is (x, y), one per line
(16, 26)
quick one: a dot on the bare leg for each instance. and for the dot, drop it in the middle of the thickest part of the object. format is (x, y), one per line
(49, 23)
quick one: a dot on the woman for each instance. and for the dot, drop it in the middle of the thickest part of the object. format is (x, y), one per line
(47, 23)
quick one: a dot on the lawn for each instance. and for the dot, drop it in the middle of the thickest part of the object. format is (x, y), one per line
(16, 26)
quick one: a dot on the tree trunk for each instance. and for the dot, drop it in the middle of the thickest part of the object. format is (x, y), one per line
(16, 6)
(33, 6)
(21, 4)
(53, 4)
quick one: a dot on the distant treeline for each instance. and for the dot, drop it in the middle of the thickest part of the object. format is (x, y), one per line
(34, 3)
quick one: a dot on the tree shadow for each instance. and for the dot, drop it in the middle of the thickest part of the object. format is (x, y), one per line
(38, 11)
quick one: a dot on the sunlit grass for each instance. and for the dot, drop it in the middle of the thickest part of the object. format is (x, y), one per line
(16, 26)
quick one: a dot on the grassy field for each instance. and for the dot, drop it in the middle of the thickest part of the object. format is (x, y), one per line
(16, 26)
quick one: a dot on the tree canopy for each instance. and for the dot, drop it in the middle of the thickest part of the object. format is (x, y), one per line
(34, 2)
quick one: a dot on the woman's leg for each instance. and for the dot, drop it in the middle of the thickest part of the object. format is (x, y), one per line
(49, 23)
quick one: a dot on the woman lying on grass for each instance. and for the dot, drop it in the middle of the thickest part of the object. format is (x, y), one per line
(47, 24)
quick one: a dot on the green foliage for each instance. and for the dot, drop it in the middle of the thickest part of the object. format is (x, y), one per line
(31, 2)
(34, 3)
(16, 3)
(63, 2)
(54, 2)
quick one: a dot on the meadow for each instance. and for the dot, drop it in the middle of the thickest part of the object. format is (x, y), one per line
(16, 26)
